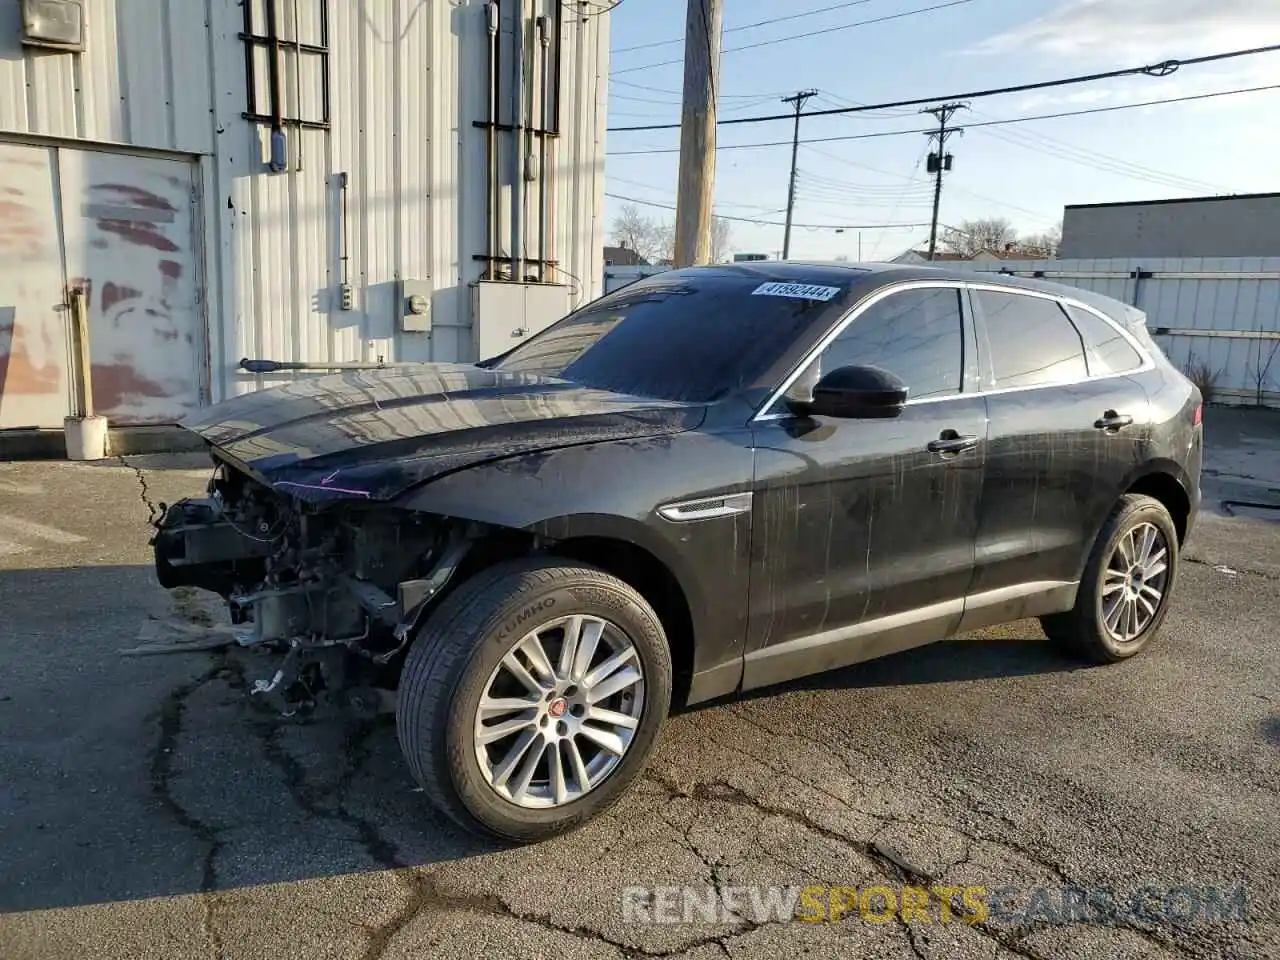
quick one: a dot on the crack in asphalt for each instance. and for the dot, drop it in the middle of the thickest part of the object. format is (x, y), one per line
(1034, 856)
(894, 866)
(170, 714)
(329, 803)
(145, 491)
(1244, 571)
(422, 891)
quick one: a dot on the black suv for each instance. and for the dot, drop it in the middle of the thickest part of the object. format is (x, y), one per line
(711, 480)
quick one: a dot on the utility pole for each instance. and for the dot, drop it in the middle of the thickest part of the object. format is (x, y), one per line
(698, 133)
(940, 162)
(799, 100)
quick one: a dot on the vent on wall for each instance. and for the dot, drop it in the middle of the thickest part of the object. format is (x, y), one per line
(53, 24)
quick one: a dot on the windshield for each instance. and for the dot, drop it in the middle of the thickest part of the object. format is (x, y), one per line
(679, 336)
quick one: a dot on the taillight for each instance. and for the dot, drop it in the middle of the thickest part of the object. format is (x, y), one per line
(1199, 414)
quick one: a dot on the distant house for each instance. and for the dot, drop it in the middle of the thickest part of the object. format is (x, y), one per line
(623, 256)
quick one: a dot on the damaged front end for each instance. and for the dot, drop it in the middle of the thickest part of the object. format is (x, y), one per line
(335, 589)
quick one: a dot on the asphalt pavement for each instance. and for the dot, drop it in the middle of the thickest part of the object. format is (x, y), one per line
(149, 810)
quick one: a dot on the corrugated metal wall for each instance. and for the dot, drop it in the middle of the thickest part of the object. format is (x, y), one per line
(1231, 316)
(142, 79)
(407, 79)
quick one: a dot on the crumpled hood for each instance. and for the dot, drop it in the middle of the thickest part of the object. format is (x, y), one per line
(373, 434)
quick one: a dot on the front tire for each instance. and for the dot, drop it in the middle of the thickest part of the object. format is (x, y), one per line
(532, 697)
(1127, 584)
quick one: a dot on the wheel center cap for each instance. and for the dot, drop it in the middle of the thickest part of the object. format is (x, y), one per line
(557, 707)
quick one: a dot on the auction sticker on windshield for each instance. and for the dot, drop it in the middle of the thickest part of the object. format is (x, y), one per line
(798, 291)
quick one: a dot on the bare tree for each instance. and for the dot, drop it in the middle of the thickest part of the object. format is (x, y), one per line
(644, 235)
(1041, 246)
(665, 243)
(655, 240)
(972, 237)
(1261, 371)
(721, 240)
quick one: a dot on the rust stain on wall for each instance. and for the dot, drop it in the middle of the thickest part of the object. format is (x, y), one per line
(118, 384)
(113, 294)
(19, 230)
(19, 371)
(141, 197)
(141, 364)
(142, 233)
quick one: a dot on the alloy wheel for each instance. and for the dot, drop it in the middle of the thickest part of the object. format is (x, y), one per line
(559, 711)
(1135, 582)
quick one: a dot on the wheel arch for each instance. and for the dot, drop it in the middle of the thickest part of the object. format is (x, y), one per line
(622, 547)
(1166, 488)
(1167, 482)
(653, 580)
(1163, 480)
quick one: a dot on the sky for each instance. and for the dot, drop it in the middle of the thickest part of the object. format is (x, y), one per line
(1025, 172)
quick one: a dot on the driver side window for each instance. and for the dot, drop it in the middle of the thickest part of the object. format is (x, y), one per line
(918, 335)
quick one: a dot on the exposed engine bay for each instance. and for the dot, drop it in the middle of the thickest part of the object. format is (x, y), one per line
(336, 589)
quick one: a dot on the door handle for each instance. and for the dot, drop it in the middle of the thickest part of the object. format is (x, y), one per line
(952, 442)
(1113, 421)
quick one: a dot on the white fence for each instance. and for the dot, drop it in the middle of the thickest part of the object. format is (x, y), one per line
(1219, 312)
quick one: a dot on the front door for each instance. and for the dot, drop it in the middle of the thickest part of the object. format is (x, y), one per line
(863, 530)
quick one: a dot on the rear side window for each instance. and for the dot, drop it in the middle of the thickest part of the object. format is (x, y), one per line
(916, 334)
(1107, 349)
(1031, 341)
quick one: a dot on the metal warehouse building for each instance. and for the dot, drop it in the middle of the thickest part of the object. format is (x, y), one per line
(1243, 225)
(313, 181)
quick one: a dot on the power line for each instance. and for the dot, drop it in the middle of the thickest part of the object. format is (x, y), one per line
(666, 190)
(1052, 146)
(834, 100)
(855, 163)
(603, 7)
(967, 126)
(749, 26)
(777, 223)
(1162, 69)
(811, 187)
(811, 33)
(677, 94)
(1116, 168)
(915, 169)
(912, 189)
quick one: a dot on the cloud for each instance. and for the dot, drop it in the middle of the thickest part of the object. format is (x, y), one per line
(1143, 29)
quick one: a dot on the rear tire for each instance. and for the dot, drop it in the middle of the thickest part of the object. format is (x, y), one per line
(1128, 581)
(476, 649)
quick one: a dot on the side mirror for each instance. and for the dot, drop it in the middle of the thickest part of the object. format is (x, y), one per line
(855, 392)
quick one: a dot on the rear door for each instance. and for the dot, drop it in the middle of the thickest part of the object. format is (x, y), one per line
(1063, 440)
(863, 530)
